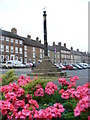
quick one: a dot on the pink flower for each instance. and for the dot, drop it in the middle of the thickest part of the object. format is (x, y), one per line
(77, 111)
(39, 92)
(28, 96)
(34, 103)
(22, 77)
(61, 91)
(65, 95)
(50, 88)
(63, 81)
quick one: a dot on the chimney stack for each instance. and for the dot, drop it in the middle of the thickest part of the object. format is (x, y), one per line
(71, 48)
(59, 44)
(14, 31)
(78, 50)
(37, 39)
(40, 41)
(53, 43)
(29, 37)
(65, 45)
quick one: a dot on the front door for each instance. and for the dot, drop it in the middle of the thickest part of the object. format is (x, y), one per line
(12, 57)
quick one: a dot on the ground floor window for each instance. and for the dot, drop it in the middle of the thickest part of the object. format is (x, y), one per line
(21, 59)
(12, 57)
(2, 58)
(25, 60)
(7, 57)
(16, 57)
(33, 60)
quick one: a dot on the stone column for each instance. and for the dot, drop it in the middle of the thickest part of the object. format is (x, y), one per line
(45, 34)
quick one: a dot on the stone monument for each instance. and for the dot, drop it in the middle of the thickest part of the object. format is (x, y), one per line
(46, 68)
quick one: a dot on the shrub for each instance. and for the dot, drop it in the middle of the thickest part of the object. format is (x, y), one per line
(9, 77)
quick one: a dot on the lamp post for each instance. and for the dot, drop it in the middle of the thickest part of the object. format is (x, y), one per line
(45, 34)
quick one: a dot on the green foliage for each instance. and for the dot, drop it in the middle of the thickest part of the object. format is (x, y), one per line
(9, 77)
(29, 88)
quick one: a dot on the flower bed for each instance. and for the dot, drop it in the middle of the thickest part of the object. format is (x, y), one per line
(40, 99)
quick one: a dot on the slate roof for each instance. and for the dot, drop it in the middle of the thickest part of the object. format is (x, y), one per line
(75, 52)
(10, 34)
(26, 40)
(33, 43)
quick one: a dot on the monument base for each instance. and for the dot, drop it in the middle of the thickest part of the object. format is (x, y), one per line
(46, 68)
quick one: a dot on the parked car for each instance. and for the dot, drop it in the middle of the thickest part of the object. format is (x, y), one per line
(81, 65)
(68, 67)
(74, 68)
(3, 64)
(86, 65)
(18, 64)
(9, 64)
(78, 67)
(63, 67)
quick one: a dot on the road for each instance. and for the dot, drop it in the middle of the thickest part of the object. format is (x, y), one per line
(84, 74)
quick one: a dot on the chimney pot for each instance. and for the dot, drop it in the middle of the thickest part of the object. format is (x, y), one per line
(77, 49)
(53, 43)
(37, 38)
(65, 45)
(40, 41)
(29, 37)
(59, 43)
(14, 31)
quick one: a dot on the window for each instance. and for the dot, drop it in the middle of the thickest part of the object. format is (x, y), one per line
(7, 48)
(12, 40)
(12, 49)
(16, 41)
(58, 54)
(2, 38)
(33, 49)
(33, 55)
(33, 60)
(21, 59)
(7, 57)
(25, 60)
(16, 57)
(40, 55)
(16, 49)
(55, 56)
(2, 47)
(49, 53)
(7, 39)
(25, 47)
(20, 50)
(25, 54)
(40, 50)
(20, 42)
(2, 58)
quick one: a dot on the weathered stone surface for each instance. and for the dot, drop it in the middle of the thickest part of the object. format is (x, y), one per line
(46, 68)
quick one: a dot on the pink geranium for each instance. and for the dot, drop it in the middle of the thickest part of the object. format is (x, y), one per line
(39, 92)
(50, 88)
(63, 81)
(65, 95)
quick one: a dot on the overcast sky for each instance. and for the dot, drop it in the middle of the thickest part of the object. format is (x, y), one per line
(67, 20)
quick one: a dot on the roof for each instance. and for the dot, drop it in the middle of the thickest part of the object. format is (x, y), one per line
(10, 34)
(33, 43)
(75, 52)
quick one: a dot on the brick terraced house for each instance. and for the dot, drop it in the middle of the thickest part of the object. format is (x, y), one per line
(11, 46)
(25, 49)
